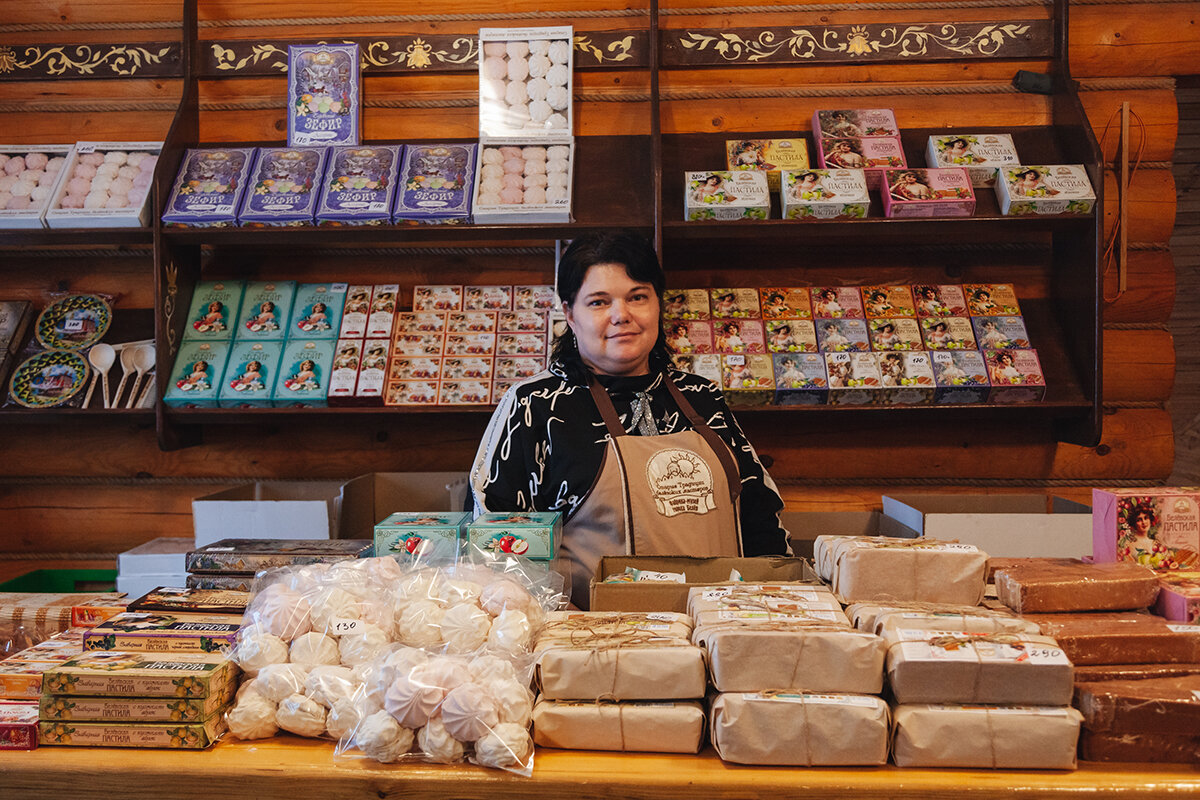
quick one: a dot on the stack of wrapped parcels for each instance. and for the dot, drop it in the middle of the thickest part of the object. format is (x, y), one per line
(1137, 675)
(971, 687)
(619, 681)
(794, 683)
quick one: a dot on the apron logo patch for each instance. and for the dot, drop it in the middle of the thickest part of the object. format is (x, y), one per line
(681, 482)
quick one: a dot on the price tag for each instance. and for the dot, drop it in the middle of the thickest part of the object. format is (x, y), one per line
(341, 627)
(716, 594)
(661, 616)
(85, 148)
(1046, 655)
(966, 548)
(72, 326)
(338, 287)
(1195, 629)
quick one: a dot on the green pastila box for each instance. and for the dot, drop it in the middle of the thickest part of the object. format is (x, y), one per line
(214, 311)
(171, 735)
(124, 673)
(303, 378)
(251, 374)
(164, 632)
(196, 378)
(408, 532)
(317, 311)
(134, 709)
(532, 534)
(266, 310)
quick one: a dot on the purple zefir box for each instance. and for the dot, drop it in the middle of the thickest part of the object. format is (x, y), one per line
(324, 94)
(359, 185)
(209, 187)
(436, 182)
(284, 186)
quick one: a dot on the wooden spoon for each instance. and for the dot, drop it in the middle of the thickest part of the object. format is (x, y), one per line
(127, 369)
(101, 357)
(143, 361)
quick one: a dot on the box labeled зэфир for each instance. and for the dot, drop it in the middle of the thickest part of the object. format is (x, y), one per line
(196, 379)
(266, 311)
(303, 377)
(281, 187)
(358, 186)
(317, 310)
(436, 182)
(250, 374)
(324, 89)
(209, 188)
(214, 311)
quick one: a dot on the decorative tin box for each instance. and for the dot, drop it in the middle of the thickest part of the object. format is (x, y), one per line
(282, 184)
(250, 375)
(317, 310)
(824, 194)
(532, 534)
(842, 335)
(960, 377)
(853, 378)
(1059, 189)
(791, 336)
(324, 88)
(303, 376)
(196, 379)
(34, 184)
(1016, 376)
(800, 379)
(93, 192)
(406, 533)
(934, 192)
(907, 378)
(436, 183)
(981, 154)
(767, 155)
(1000, 333)
(359, 185)
(209, 188)
(266, 311)
(214, 311)
(725, 196)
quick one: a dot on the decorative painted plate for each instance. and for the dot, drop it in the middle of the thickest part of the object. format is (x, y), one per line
(74, 322)
(50, 378)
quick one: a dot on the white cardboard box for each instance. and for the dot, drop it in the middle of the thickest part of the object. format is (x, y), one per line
(269, 510)
(162, 556)
(1004, 525)
(137, 585)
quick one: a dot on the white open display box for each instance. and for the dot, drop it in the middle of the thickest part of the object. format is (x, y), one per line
(1002, 525)
(37, 182)
(269, 510)
(526, 164)
(121, 201)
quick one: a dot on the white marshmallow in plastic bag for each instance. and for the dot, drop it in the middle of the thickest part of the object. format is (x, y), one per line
(301, 715)
(382, 738)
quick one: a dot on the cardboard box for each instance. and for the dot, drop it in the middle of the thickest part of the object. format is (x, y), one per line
(157, 556)
(370, 498)
(269, 510)
(646, 596)
(1158, 527)
(1004, 525)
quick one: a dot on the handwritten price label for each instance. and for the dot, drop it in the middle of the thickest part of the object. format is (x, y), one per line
(340, 627)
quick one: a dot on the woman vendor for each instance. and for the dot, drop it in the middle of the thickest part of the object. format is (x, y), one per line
(641, 458)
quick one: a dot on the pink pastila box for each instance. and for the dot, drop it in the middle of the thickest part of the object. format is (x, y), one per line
(1179, 597)
(471, 322)
(939, 300)
(739, 336)
(854, 123)
(412, 368)
(933, 192)
(686, 304)
(1016, 376)
(470, 344)
(785, 303)
(438, 298)
(521, 344)
(836, 302)
(372, 375)
(888, 301)
(411, 393)
(1157, 527)
(355, 311)
(523, 321)
(875, 155)
(689, 336)
(382, 316)
(791, 336)
(467, 368)
(487, 298)
(344, 375)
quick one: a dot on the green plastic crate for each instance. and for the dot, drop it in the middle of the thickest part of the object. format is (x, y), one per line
(63, 581)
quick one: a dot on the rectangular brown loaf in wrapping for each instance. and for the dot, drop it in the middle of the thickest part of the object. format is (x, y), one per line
(1154, 705)
(1162, 748)
(1067, 584)
(1132, 672)
(1121, 637)
(864, 568)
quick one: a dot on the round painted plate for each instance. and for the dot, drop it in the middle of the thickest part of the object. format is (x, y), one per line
(48, 379)
(74, 322)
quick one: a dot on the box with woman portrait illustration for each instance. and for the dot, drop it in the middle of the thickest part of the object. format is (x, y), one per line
(525, 321)
(517, 368)
(785, 303)
(981, 154)
(427, 345)
(381, 313)
(824, 194)
(991, 299)
(468, 368)
(266, 311)
(411, 393)
(317, 310)
(961, 377)
(687, 337)
(727, 303)
(519, 344)
(1157, 527)
(738, 336)
(1016, 376)
(748, 379)
(907, 378)
(1179, 595)
(800, 379)
(771, 156)
(939, 300)
(1057, 189)
(464, 393)
(343, 376)
(355, 311)
(721, 195)
(214, 311)
(706, 366)
(854, 379)
(437, 298)
(836, 302)
(372, 374)
(854, 122)
(842, 336)
(195, 380)
(895, 300)
(948, 333)
(686, 304)
(303, 377)
(539, 297)
(791, 336)
(414, 368)
(250, 375)
(874, 155)
(421, 322)
(895, 333)
(1000, 333)
(933, 192)
(487, 298)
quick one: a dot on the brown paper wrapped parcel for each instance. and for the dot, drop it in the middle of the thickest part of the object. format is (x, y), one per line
(635, 656)
(954, 667)
(876, 618)
(800, 729)
(863, 568)
(629, 727)
(973, 737)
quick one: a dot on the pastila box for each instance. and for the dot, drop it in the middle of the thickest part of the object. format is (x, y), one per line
(854, 122)
(116, 673)
(1155, 526)
(252, 555)
(771, 156)
(1058, 189)
(800, 379)
(1000, 333)
(948, 333)
(842, 336)
(1016, 376)
(836, 302)
(824, 194)
(891, 300)
(686, 304)
(726, 196)
(853, 378)
(895, 333)
(960, 376)
(171, 735)
(785, 303)
(991, 299)
(907, 378)
(934, 192)
(981, 154)
(748, 379)
(133, 709)
(939, 300)
(791, 336)
(162, 631)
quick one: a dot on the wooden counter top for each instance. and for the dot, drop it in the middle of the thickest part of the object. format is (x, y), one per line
(288, 767)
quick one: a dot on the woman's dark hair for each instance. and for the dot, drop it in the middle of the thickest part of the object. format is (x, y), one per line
(607, 247)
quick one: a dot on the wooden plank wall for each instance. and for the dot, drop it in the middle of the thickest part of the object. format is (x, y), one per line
(101, 488)
(1185, 321)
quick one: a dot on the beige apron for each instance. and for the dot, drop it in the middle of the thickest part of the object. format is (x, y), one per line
(671, 494)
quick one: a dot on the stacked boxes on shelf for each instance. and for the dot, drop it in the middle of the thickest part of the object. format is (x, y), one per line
(232, 563)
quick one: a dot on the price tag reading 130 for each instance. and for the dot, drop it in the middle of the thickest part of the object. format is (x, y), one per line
(341, 627)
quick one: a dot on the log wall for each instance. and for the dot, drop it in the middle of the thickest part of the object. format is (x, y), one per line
(104, 486)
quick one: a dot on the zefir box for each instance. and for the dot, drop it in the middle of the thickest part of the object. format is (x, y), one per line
(532, 534)
(324, 102)
(209, 188)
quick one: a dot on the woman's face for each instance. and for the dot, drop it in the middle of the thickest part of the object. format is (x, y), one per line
(615, 321)
(1142, 522)
(713, 180)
